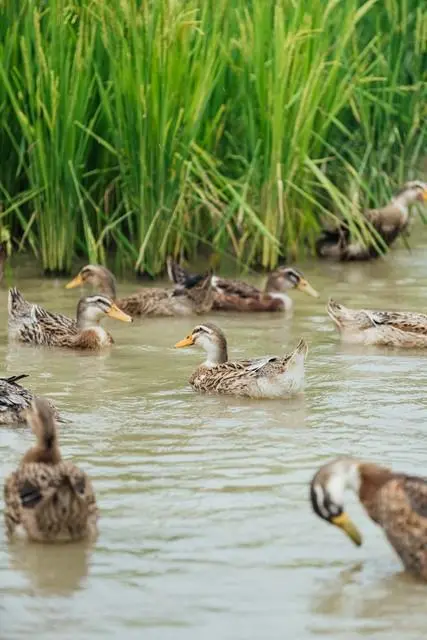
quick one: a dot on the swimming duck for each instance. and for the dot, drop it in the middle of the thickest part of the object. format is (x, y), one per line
(390, 328)
(46, 498)
(32, 324)
(395, 501)
(389, 222)
(149, 301)
(15, 400)
(266, 377)
(237, 295)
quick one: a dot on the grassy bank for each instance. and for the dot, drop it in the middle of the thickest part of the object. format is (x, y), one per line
(143, 128)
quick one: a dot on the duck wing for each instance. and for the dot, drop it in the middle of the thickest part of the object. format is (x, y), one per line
(235, 288)
(405, 321)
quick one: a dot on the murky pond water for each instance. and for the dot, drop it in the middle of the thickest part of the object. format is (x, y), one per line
(206, 530)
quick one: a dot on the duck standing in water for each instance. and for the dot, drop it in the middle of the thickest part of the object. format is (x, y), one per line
(389, 222)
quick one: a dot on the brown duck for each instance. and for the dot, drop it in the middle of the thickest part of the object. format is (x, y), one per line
(395, 501)
(149, 301)
(48, 499)
(265, 377)
(32, 324)
(389, 222)
(237, 295)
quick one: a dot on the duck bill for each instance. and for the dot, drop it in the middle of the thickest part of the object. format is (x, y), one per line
(305, 286)
(118, 314)
(75, 282)
(343, 522)
(424, 195)
(187, 342)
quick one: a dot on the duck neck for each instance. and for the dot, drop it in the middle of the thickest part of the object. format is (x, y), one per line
(215, 354)
(42, 454)
(107, 286)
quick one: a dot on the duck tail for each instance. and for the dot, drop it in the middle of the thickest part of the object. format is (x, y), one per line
(181, 277)
(300, 349)
(15, 379)
(16, 302)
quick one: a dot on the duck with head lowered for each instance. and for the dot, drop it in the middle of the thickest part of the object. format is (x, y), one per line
(32, 324)
(237, 295)
(265, 377)
(389, 222)
(149, 301)
(396, 502)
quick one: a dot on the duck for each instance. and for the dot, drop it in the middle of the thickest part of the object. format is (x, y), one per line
(265, 377)
(389, 222)
(48, 499)
(396, 502)
(406, 329)
(15, 400)
(237, 295)
(149, 301)
(32, 324)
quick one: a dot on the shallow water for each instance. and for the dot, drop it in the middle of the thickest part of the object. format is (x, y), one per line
(205, 524)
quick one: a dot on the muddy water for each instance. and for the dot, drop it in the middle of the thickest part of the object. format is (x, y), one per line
(206, 530)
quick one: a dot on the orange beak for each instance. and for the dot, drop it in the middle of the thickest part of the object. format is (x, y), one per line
(75, 282)
(118, 314)
(187, 342)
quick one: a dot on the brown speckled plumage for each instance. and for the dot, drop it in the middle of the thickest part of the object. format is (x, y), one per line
(32, 324)
(237, 295)
(46, 498)
(389, 222)
(149, 301)
(405, 329)
(266, 377)
(395, 501)
(15, 400)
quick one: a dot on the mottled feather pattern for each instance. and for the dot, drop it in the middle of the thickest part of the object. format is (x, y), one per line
(32, 324)
(400, 508)
(269, 376)
(388, 328)
(156, 302)
(51, 502)
(15, 400)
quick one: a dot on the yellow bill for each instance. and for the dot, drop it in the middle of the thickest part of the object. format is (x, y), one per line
(305, 286)
(75, 282)
(118, 314)
(424, 194)
(187, 342)
(343, 522)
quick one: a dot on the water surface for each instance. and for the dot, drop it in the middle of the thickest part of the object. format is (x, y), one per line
(205, 529)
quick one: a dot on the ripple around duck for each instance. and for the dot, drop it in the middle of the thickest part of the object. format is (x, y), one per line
(206, 529)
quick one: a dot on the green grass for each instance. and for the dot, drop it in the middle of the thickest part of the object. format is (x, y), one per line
(143, 129)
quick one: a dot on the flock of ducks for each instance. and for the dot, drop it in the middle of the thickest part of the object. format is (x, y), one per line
(50, 500)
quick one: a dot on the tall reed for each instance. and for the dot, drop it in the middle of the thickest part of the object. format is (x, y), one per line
(149, 128)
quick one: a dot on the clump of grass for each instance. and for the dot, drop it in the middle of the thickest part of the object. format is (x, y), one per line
(150, 128)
